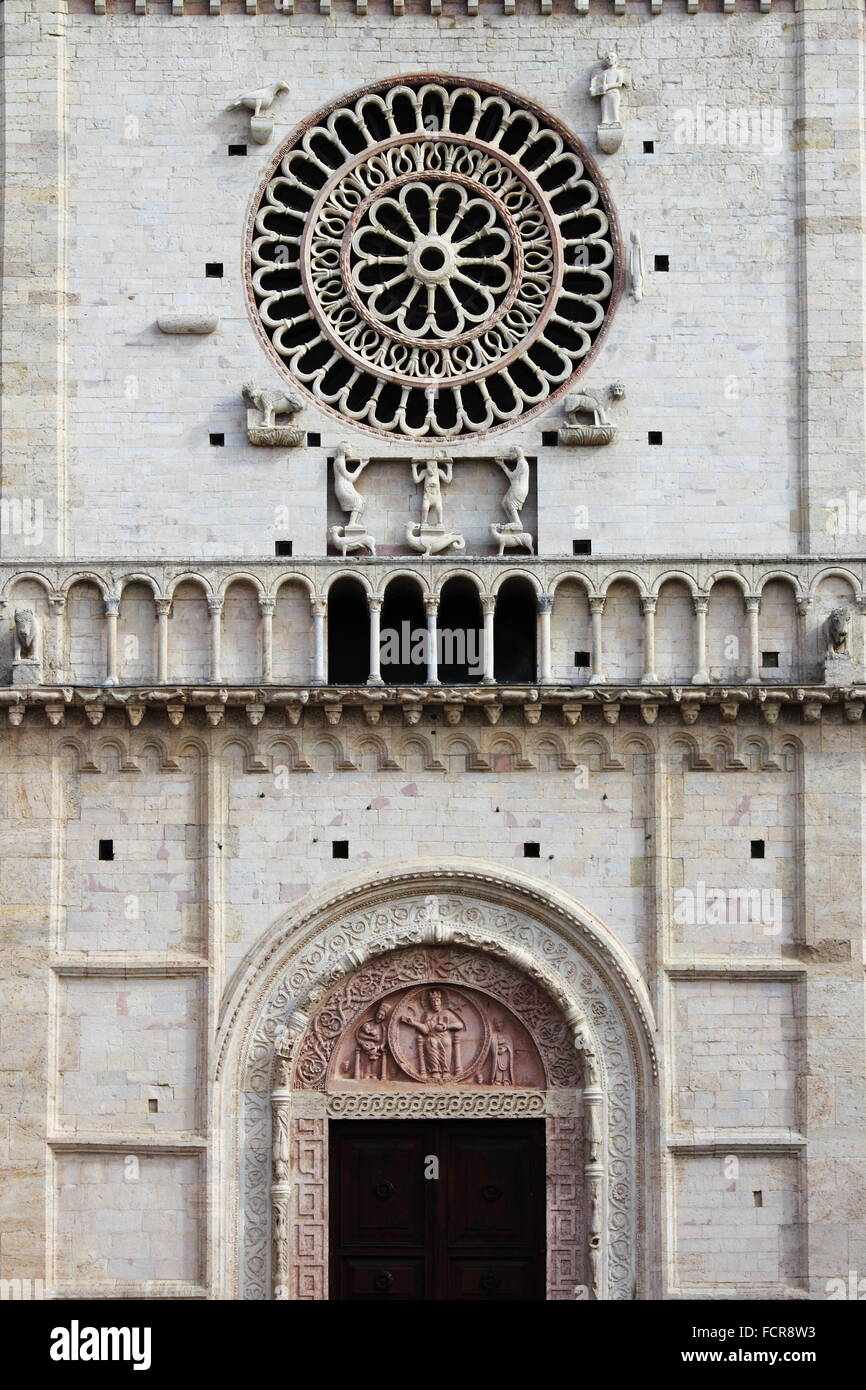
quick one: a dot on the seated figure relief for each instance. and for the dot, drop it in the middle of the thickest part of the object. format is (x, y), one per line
(437, 1035)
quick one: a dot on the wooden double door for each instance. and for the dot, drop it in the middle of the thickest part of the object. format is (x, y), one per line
(446, 1209)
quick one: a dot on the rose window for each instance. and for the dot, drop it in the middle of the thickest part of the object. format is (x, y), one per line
(433, 259)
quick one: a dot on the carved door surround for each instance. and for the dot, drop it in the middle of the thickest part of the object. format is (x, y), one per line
(443, 991)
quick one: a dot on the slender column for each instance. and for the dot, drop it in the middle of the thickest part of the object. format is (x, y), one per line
(801, 664)
(648, 607)
(267, 604)
(112, 610)
(215, 604)
(861, 604)
(596, 609)
(281, 1185)
(701, 677)
(753, 604)
(545, 608)
(593, 1100)
(163, 609)
(488, 607)
(432, 608)
(375, 607)
(319, 673)
(57, 603)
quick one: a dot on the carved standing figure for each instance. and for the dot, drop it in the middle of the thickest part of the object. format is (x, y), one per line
(438, 1040)
(371, 1044)
(518, 479)
(345, 478)
(434, 472)
(607, 82)
(635, 266)
(503, 1056)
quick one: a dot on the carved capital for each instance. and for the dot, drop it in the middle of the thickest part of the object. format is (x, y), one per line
(545, 603)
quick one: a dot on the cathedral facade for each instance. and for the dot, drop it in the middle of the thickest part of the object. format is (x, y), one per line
(433, 649)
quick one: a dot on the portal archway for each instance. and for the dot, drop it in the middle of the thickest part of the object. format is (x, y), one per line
(503, 947)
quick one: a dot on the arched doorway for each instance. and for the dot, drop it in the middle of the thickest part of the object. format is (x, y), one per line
(556, 1029)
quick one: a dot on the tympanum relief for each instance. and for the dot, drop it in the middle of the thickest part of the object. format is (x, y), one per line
(434, 1035)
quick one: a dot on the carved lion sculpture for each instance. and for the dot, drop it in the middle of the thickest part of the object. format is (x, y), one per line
(271, 403)
(838, 632)
(26, 632)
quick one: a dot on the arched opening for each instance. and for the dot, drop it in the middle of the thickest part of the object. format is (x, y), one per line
(675, 632)
(834, 591)
(403, 644)
(623, 628)
(189, 640)
(461, 632)
(779, 656)
(241, 645)
(571, 633)
(30, 595)
(514, 644)
(348, 633)
(727, 633)
(85, 620)
(292, 648)
(136, 635)
(343, 1047)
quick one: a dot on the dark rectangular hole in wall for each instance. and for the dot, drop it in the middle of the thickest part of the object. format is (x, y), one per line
(549, 437)
(153, 1106)
(769, 659)
(214, 270)
(581, 547)
(217, 440)
(654, 437)
(757, 849)
(758, 1198)
(339, 849)
(283, 548)
(531, 850)
(237, 149)
(313, 441)
(582, 659)
(649, 146)
(662, 263)
(106, 849)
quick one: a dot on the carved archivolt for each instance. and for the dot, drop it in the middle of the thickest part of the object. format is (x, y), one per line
(493, 933)
(433, 257)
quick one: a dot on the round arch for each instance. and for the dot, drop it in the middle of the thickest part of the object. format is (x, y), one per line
(328, 950)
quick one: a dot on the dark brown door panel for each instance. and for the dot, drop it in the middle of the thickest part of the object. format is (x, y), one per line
(477, 1231)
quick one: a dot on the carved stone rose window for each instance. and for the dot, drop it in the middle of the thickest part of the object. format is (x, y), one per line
(433, 258)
